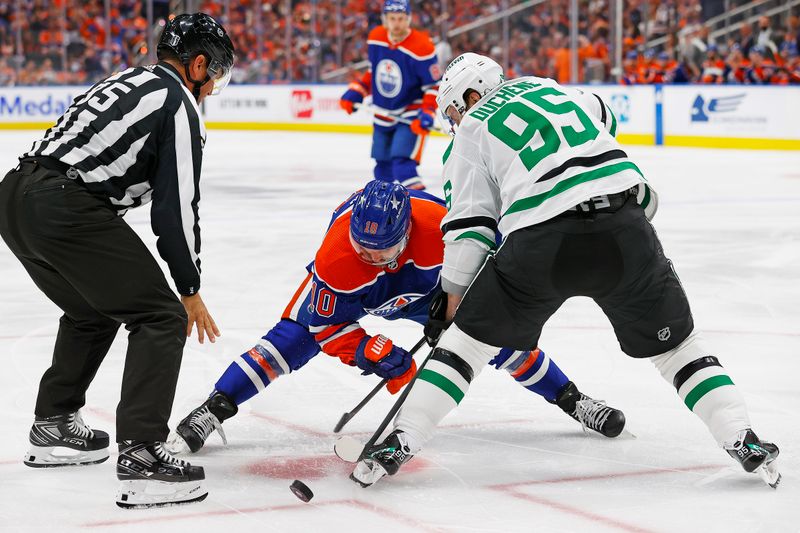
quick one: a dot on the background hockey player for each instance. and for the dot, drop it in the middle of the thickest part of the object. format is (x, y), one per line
(537, 160)
(133, 137)
(382, 256)
(402, 81)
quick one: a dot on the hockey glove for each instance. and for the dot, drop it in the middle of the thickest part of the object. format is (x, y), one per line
(436, 318)
(423, 123)
(354, 94)
(394, 385)
(378, 355)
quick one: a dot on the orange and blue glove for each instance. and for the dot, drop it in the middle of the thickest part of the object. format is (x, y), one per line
(424, 122)
(394, 385)
(378, 355)
(354, 94)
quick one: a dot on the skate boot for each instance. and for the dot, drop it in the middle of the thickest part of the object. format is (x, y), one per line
(591, 413)
(755, 456)
(65, 440)
(192, 432)
(151, 477)
(384, 458)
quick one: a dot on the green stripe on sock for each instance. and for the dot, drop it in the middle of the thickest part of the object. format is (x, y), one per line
(443, 383)
(704, 387)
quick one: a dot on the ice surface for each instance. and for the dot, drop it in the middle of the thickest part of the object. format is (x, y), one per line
(505, 460)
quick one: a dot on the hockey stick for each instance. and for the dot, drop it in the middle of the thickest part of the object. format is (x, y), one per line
(351, 450)
(397, 118)
(350, 414)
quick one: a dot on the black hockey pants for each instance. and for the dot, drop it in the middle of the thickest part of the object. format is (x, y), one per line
(94, 267)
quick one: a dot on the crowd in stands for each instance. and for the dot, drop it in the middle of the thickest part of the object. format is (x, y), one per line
(55, 42)
(47, 42)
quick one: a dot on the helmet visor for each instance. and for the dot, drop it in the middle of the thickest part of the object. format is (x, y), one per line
(453, 117)
(379, 257)
(220, 74)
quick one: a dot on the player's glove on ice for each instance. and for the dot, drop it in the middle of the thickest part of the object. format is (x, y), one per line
(436, 318)
(423, 123)
(378, 355)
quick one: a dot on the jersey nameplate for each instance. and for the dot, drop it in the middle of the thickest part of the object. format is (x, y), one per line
(500, 99)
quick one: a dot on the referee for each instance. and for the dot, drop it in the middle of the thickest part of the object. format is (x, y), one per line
(133, 138)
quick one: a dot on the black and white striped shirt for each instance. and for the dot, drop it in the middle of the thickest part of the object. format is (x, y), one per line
(137, 136)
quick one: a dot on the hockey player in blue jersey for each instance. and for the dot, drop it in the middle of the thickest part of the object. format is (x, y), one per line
(381, 255)
(402, 81)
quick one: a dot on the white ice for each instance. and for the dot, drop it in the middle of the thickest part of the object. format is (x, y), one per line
(505, 460)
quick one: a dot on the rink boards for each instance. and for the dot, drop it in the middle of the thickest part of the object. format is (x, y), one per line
(742, 117)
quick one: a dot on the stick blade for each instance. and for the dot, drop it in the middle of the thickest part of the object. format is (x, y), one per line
(348, 449)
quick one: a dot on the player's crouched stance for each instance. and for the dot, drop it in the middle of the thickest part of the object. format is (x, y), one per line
(572, 227)
(381, 255)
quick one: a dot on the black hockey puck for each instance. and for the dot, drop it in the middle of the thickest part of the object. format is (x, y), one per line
(301, 490)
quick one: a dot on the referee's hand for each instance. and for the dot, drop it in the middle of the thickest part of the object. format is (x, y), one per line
(199, 315)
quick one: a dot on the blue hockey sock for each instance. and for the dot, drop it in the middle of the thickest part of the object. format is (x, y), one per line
(538, 373)
(248, 375)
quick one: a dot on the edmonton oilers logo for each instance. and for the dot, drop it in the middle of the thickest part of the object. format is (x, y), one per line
(394, 305)
(388, 78)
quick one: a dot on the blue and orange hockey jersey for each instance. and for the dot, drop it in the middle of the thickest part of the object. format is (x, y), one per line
(403, 76)
(340, 288)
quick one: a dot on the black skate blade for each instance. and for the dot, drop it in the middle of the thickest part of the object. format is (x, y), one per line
(164, 504)
(60, 465)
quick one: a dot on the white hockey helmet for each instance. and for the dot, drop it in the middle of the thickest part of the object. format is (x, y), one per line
(467, 71)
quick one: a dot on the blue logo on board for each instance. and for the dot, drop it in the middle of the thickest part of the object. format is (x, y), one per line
(621, 106)
(702, 109)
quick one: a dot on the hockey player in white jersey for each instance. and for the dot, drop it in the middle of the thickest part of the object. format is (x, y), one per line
(539, 162)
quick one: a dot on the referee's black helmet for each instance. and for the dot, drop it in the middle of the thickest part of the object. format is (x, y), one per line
(189, 35)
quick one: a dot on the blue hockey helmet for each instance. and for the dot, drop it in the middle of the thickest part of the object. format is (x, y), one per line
(397, 6)
(381, 217)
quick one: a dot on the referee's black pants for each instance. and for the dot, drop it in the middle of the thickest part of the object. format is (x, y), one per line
(93, 266)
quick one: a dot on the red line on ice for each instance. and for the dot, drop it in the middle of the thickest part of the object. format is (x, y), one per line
(610, 475)
(578, 512)
(513, 490)
(381, 511)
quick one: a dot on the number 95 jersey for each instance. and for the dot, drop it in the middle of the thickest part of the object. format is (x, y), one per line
(526, 152)
(529, 150)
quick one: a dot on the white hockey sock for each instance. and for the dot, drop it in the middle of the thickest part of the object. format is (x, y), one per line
(442, 384)
(704, 387)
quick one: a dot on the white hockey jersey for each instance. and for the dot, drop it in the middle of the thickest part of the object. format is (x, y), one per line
(526, 152)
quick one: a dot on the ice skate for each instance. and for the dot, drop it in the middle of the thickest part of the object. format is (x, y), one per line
(151, 477)
(383, 458)
(192, 432)
(65, 440)
(756, 456)
(590, 413)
